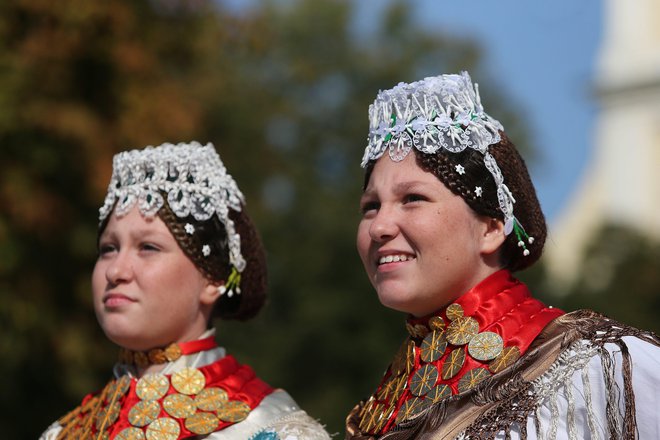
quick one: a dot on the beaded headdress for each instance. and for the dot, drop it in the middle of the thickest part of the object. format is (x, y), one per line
(193, 178)
(441, 112)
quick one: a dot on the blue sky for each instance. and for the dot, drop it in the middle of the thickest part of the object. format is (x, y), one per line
(544, 54)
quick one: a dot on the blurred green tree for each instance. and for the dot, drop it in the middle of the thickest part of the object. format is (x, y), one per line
(620, 277)
(282, 90)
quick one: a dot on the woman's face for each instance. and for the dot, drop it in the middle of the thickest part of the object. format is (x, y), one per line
(147, 293)
(421, 245)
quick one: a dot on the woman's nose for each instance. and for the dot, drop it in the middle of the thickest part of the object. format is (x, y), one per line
(384, 226)
(120, 269)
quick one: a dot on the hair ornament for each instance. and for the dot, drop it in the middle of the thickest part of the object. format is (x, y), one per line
(441, 112)
(190, 175)
(232, 285)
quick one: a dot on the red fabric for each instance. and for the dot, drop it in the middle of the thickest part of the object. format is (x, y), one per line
(239, 381)
(193, 347)
(500, 304)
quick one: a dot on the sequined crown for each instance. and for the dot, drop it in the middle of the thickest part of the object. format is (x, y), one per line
(440, 112)
(191, 175)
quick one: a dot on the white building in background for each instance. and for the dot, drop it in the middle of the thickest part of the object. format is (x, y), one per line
(622, 181)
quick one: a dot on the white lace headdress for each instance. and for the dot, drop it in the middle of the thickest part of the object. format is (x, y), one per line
(440, 112)
(192, 176)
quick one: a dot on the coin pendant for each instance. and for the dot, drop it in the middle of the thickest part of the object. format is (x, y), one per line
(508, 356)
(423, 380)
(143, 413)
(439, 392)
(202, 423)
(485, 346)
(454, 311)
(453, 363)
(433, 346)
(462, 330)
(152, 386)
(163, 429)
(211, 398)
(179, 405)
(188, 381)
(130, 434)
(472, 378)
(234, 411)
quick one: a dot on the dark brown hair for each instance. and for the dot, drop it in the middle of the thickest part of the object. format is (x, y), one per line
(527, 209)
(216, 266)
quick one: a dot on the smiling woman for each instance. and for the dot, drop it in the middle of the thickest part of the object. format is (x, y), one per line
(448, 213)
(176, 248)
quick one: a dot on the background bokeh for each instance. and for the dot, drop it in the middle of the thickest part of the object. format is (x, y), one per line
(281, 89)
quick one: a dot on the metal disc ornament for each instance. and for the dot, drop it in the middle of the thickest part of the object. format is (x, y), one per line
(453, 363)
(423, 380)
(485, 346)
(462, 330)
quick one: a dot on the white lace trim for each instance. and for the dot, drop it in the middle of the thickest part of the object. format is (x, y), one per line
(193, 177)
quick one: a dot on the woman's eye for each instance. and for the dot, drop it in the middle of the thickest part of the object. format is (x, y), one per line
(149, 247)
(414, 198)
(369, 206)
(105, 249)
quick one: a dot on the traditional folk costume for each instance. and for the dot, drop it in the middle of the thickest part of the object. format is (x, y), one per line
(497, 363)
(201, 391)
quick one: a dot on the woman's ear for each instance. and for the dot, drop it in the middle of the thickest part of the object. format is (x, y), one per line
(211, 292)
(492, 235)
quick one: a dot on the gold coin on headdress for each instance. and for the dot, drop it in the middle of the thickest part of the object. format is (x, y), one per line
(508, 356)
(202, 423)
(179, 405)
(439, 392)
(143, 413)
(211, 398)
(118, 388)
(173, 352)
(423, 380)
(152, 386)
(107, 416)
(485, 346)
(130, 434)
(411, 408)
(453, 363)
(433, 346)
(163, 429)
(472, 378)
(234, 411)
(188, 381)
(454, 311)
(437, 323)
(462, 330)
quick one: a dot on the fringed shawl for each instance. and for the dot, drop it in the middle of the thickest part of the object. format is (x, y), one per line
(538, 395)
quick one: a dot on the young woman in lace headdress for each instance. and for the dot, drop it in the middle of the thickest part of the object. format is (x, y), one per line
(449, 212)
(176, 249)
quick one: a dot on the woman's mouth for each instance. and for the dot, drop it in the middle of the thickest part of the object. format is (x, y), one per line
(394, 258)
(113, 300)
